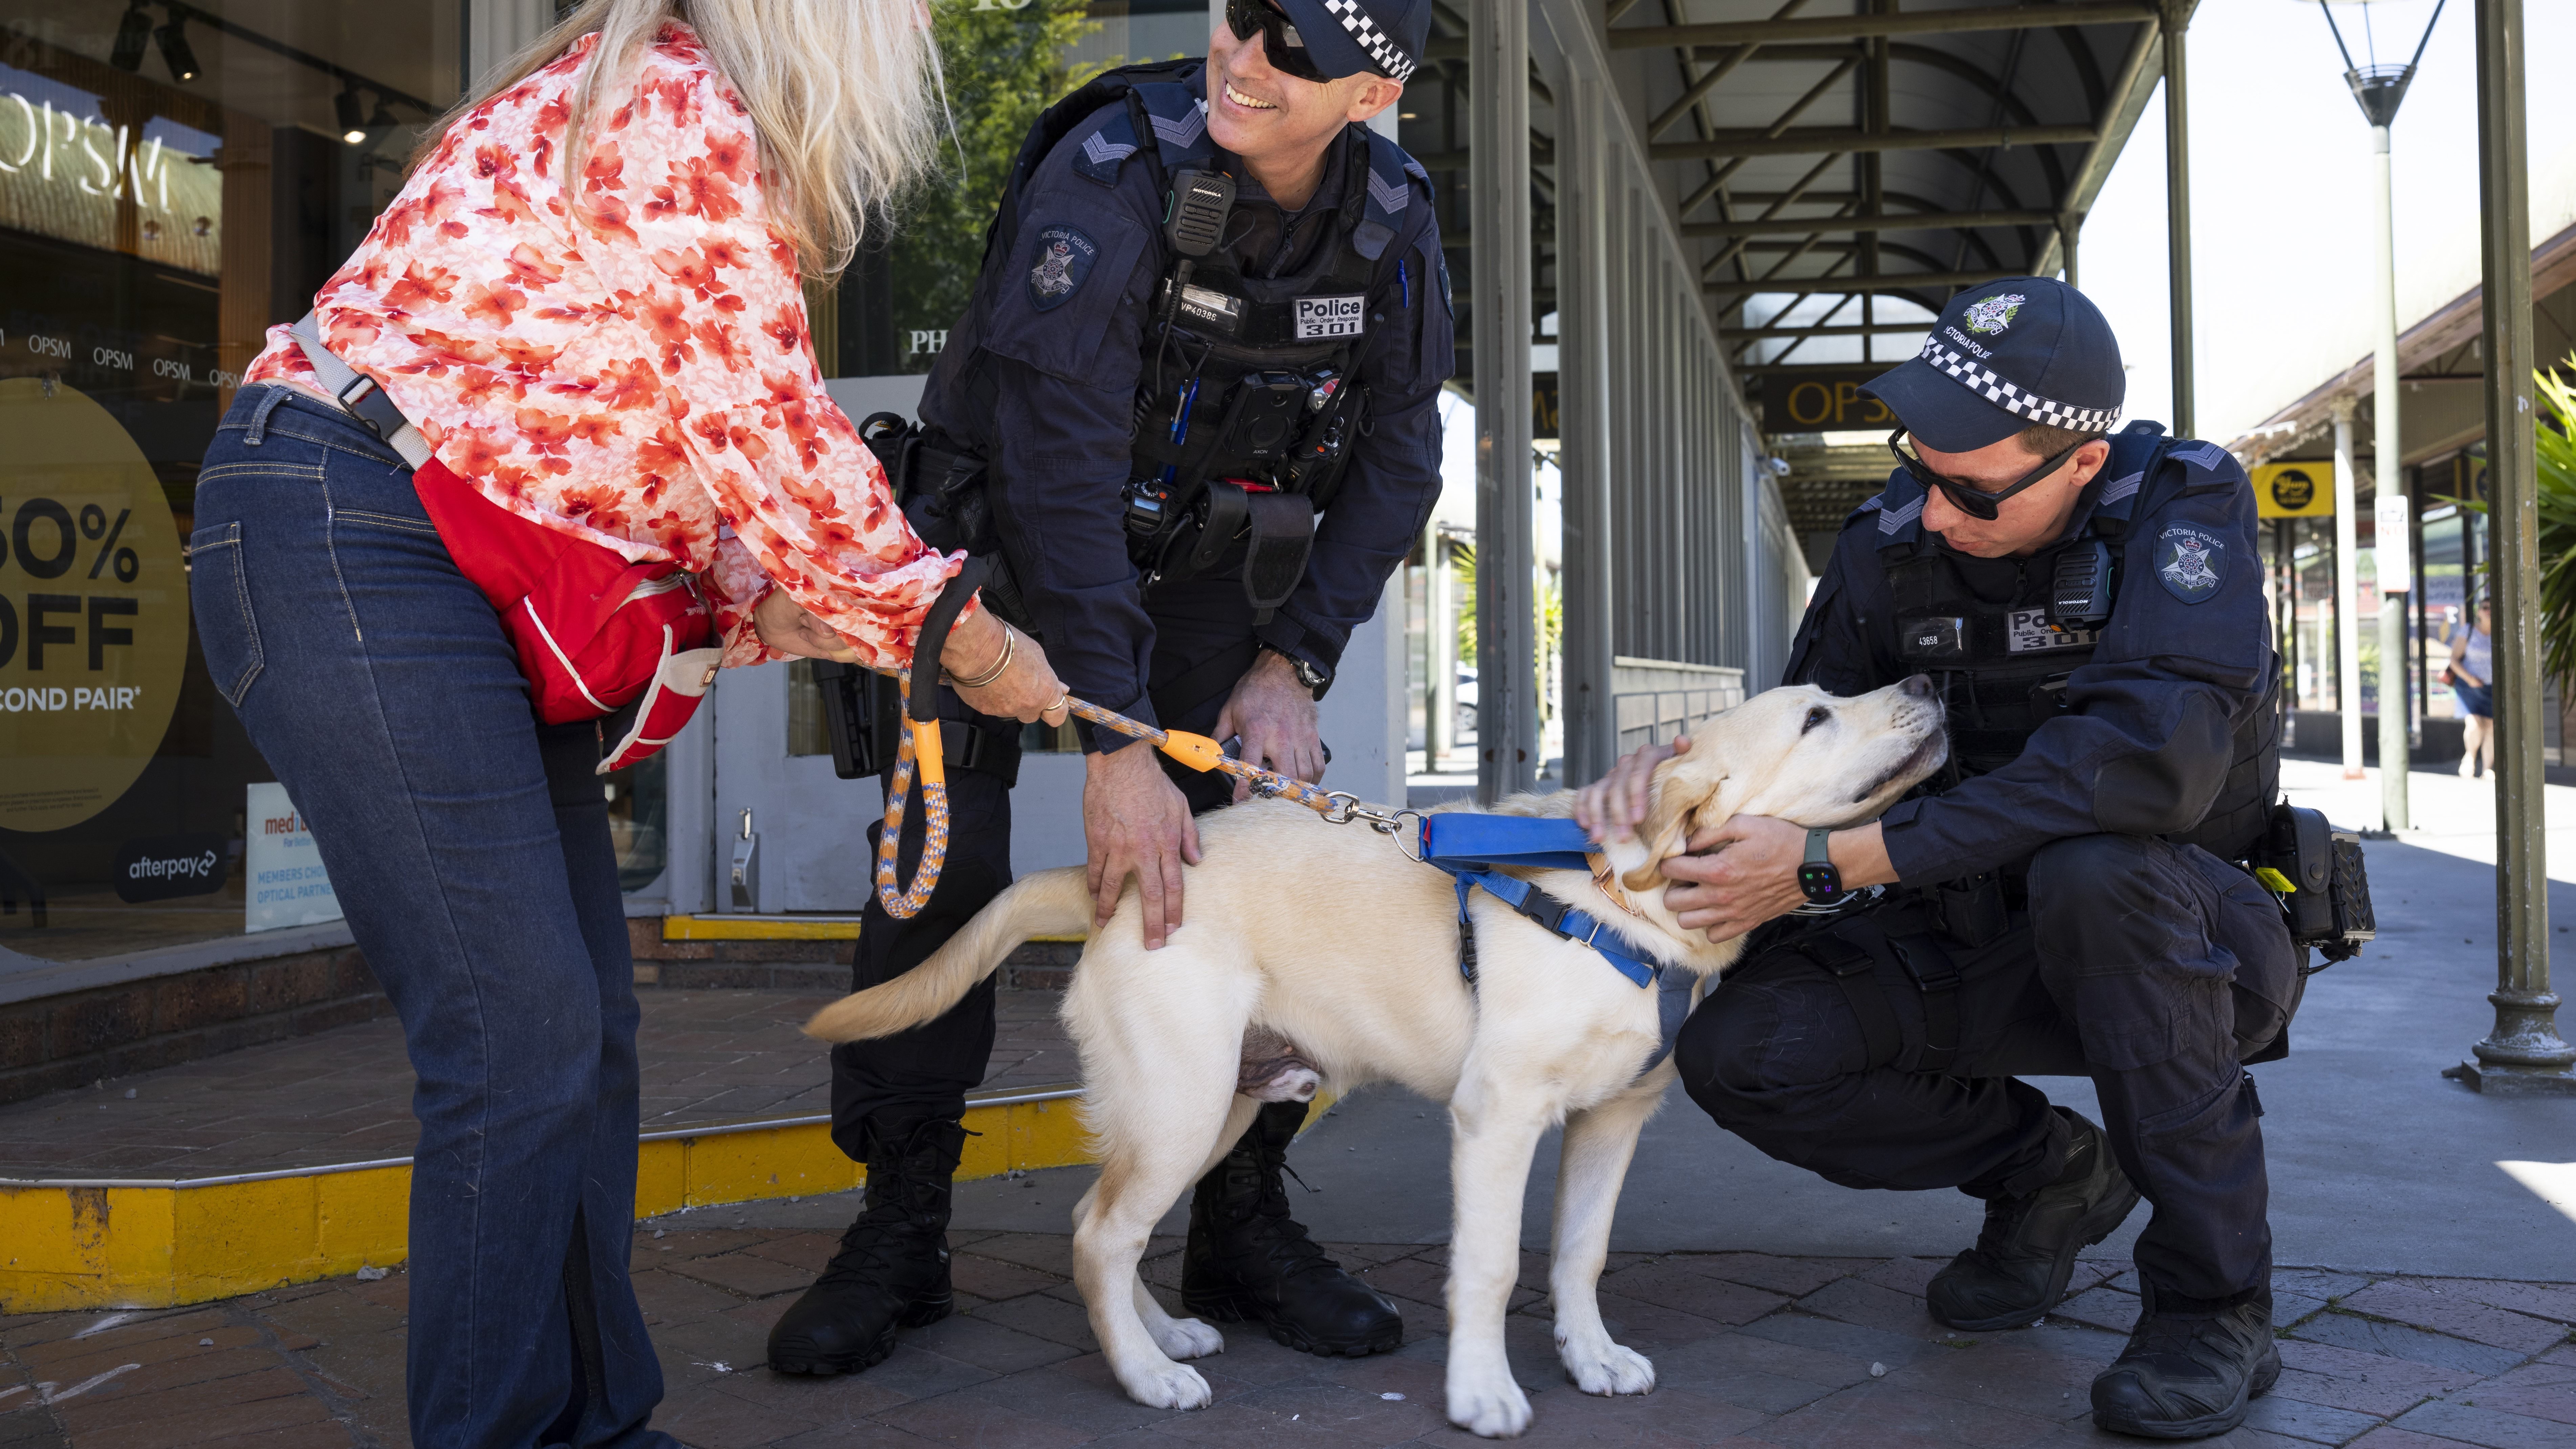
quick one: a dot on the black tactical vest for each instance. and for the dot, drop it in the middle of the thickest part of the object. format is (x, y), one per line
(1983, 630)
(1246, 412)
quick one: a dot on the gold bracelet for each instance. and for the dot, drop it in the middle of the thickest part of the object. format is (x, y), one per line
(1010, 646)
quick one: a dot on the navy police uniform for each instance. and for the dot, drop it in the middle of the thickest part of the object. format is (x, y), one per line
(2069, 898)
(2110, 947)
(1044, 377)
(1179, 423)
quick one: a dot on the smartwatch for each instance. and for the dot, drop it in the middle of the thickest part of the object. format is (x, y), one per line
(1818, 881)
(1314, 676)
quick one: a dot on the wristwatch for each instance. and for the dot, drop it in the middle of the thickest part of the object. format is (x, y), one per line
(1818, 881)
(1314, 676)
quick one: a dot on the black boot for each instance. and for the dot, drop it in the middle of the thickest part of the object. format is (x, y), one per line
(1247, 1260)
(892, 1270)
(2189, 1370)
(2019, 1267)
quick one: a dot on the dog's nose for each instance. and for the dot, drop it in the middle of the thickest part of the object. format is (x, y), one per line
(1916, 686)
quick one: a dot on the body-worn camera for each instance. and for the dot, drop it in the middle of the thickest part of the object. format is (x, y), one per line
(2316, 871)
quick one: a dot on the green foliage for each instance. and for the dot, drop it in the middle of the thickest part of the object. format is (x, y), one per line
(1003, 67)
(2555, 434)
(2557, 439)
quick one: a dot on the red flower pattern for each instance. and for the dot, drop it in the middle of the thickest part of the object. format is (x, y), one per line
(633, 367)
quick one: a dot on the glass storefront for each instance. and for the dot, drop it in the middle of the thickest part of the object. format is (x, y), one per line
(173, 179)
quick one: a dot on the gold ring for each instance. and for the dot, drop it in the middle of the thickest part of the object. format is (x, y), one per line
(1060, 700)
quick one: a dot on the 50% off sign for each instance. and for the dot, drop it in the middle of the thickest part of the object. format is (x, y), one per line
(93, 608)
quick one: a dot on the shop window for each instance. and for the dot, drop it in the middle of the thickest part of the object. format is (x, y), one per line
(171, 184)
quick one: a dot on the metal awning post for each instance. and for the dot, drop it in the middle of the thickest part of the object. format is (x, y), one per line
(1498, 207)
(2176, 20)
(2347, 591)
(1583, 269)
(2524, 1055)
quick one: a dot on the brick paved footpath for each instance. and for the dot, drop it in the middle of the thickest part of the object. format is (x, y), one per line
(1751, 1351)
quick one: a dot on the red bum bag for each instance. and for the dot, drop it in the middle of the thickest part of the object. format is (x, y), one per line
(594, 633)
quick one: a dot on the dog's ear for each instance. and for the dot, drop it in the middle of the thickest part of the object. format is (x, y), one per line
(1678, 792)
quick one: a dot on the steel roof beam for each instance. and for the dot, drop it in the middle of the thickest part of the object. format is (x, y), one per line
(1881, 329)
(1696, 89)
(1911, 22)
(1893, 282)
(1817, 140)
(1899, 221)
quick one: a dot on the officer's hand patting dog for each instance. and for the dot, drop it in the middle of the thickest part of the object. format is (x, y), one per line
(1334, 940)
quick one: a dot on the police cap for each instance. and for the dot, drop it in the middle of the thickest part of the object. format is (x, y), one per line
(2004, 356)
(1346, 37)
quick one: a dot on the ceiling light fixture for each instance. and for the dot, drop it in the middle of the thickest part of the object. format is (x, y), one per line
(175, 52)
(133, 37)
(352, 116)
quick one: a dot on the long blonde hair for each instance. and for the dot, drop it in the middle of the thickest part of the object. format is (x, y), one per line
(843, 94)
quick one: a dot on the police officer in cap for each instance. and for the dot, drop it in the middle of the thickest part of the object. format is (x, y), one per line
(1195, 396)
(2063, 899)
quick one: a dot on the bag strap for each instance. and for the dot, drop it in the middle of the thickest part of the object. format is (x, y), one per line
(358, 394)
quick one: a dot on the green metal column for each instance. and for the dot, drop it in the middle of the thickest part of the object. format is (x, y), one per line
(2524, 1055)
(1498, 209)
(2177, 19)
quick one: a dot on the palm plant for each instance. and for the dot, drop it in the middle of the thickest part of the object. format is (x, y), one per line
(2555, 434)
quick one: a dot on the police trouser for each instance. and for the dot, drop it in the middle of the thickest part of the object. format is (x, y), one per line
(2153, 968)
(1199, 626)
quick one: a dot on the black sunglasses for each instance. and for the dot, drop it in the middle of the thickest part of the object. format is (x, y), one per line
(1972, 500)
(1280, 42)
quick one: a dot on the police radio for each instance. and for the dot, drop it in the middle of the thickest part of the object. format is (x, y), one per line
(2080, 593)
(1194, 214)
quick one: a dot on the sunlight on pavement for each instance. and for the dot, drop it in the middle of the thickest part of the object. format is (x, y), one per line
(2552, 1182)
(2451, 815)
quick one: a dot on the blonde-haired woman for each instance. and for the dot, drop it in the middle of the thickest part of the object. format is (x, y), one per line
(587, 300)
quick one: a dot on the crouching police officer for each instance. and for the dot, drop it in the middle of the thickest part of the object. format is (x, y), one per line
(1192, 409)
(2089, 605)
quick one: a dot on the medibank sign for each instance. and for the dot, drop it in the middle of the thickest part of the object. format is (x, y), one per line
(284, 883)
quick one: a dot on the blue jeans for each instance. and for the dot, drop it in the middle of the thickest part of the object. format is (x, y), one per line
(470, 848)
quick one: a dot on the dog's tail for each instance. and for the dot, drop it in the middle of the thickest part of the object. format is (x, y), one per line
(1050, 903)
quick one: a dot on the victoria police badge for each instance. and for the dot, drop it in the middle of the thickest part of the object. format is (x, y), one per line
(1994, 314)
(2190, 562)
(1065, 256)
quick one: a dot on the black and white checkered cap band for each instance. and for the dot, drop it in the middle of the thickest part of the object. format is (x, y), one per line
(1390, 57)
(2020, 401)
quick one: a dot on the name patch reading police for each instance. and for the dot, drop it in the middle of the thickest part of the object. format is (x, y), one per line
(2026, 631)
(1330, 317)
(1065, 256)
(2191, 562)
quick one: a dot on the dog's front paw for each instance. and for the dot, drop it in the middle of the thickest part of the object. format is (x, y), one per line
(1493, 1407)
(1608, 1368)
(1167, 1386)
(1189, 1338)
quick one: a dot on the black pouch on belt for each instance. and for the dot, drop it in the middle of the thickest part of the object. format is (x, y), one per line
(1969, 910)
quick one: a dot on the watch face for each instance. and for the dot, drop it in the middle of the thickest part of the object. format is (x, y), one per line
(1819, 881)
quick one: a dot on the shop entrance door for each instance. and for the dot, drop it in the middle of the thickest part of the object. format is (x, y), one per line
(798, 830)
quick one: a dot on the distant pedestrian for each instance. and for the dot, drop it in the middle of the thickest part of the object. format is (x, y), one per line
(2471, 675)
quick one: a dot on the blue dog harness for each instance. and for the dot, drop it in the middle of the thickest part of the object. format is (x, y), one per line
(1469, 847)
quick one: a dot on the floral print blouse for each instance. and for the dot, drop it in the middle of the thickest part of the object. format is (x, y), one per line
(632, 368)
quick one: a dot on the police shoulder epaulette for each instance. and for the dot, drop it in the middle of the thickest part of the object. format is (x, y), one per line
(1391, 177)
(1179, 119)
(2209, 468)
(1098, 155)
(1900, 519)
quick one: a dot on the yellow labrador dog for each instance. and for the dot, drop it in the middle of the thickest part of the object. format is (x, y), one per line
(1332, 939)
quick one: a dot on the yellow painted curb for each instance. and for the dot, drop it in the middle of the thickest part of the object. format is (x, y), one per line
(71, 1244)
(76, 1244)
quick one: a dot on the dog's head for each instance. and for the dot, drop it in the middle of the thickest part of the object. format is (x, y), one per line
(1796, 753)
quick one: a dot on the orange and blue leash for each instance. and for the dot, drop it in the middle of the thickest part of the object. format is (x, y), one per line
(919, 758)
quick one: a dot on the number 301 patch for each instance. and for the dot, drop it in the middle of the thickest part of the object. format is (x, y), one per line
(1330, 317)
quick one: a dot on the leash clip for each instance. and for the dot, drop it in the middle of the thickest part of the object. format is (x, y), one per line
(1346, 808)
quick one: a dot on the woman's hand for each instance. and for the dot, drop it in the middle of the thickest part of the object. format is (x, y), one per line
(785, 627)
(1027, 690)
